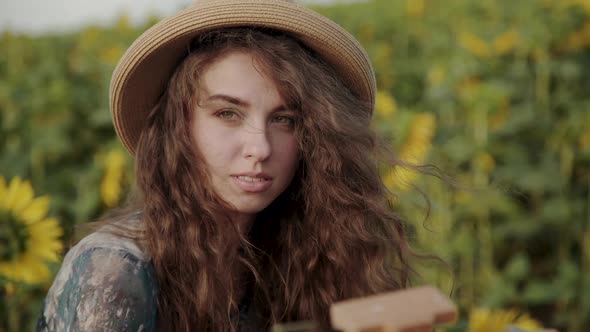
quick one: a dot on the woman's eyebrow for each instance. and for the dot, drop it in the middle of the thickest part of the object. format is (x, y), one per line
(232, 100)
(240, 102)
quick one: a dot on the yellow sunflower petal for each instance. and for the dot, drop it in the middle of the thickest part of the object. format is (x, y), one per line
(414, 150)
(2, 188)
(485, 320)
(528, 323)
(10, 288)
(31, 270)
(9, 195)
(43, 241)
(474, 44)
(11, 269)
(35, 211)
(19, 194)
(23, 197)
(48, 228)
(48, 252)
(37, 272)
(385, 104)
(478, 320)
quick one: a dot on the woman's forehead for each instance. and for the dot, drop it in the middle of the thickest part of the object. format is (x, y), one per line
(236, 78)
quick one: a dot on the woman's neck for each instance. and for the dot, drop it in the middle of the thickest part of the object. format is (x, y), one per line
(243, 222)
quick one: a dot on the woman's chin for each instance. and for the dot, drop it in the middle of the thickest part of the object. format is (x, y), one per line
(250, 208)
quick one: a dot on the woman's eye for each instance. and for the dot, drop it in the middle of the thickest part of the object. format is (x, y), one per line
(284, 120)
(227, 115)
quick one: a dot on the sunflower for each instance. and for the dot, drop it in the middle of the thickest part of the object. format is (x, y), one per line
(486, 320)
(385, 105)
(414, 151)
(474, 44)
(112, 185)
(506, 42)
(28, 239)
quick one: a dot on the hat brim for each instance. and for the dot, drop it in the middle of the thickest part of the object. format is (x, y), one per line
(144, 70)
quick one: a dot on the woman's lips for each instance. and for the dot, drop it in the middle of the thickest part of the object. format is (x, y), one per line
(252, 183)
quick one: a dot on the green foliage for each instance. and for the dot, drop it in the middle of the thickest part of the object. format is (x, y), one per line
(55, 123)
(507, 81)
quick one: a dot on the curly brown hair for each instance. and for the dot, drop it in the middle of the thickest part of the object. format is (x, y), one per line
(332, 235)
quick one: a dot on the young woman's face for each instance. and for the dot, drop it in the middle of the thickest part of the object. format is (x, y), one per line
(245, 133)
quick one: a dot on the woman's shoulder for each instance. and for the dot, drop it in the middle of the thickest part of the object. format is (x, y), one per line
(105, 282)
(112, 238)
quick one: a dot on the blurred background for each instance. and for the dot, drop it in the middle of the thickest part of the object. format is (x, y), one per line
(493, 92)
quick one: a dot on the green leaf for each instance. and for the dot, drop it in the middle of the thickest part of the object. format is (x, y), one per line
(540, 292)
(517, 268)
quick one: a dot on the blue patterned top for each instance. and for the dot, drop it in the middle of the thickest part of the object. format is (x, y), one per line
(106, 283)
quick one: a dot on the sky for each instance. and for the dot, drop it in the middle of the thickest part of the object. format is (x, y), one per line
(43, 16)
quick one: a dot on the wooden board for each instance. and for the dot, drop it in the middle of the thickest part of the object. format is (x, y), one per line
(410, 310)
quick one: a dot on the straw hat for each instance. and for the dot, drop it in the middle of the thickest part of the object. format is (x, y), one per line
(144, 70)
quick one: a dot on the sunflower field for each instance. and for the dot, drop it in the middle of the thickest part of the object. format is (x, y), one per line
(494, 93)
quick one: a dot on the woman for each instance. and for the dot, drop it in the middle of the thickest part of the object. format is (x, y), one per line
(259, 198)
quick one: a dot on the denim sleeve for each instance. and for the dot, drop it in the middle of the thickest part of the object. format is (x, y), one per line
(103, 289)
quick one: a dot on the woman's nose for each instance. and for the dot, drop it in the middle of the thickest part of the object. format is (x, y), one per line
(257, 144)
